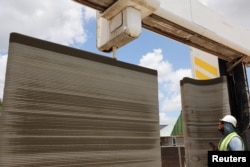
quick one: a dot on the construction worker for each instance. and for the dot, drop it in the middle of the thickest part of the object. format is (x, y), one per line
(230, 140)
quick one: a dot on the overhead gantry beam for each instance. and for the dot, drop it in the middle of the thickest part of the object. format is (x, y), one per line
(193, 24)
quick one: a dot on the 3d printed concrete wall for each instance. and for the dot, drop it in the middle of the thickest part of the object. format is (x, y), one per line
(67, 107)
(204, 102)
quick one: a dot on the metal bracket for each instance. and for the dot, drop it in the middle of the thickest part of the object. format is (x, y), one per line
(146, 7)
(114, 49)
(233, 64)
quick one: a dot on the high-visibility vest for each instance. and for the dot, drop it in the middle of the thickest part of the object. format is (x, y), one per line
(223, 145)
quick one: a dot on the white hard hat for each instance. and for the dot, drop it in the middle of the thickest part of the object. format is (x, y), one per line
(229, 118)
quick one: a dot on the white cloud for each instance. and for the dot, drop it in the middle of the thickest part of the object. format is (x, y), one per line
(89, 13)
(167, 120)
(172, 103)
(3, 62)
(160, 95)
(169, 84)
(60, 21)
(155, 60)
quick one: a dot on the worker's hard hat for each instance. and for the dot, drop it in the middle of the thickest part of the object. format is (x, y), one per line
(229, 118)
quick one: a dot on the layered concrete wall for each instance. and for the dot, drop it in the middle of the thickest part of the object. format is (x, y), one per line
(67, 107)
(204, 102)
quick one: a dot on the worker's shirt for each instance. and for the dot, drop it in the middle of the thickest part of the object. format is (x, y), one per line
(232, 142)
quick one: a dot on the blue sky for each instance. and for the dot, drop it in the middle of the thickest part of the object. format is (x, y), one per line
(68, 23)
